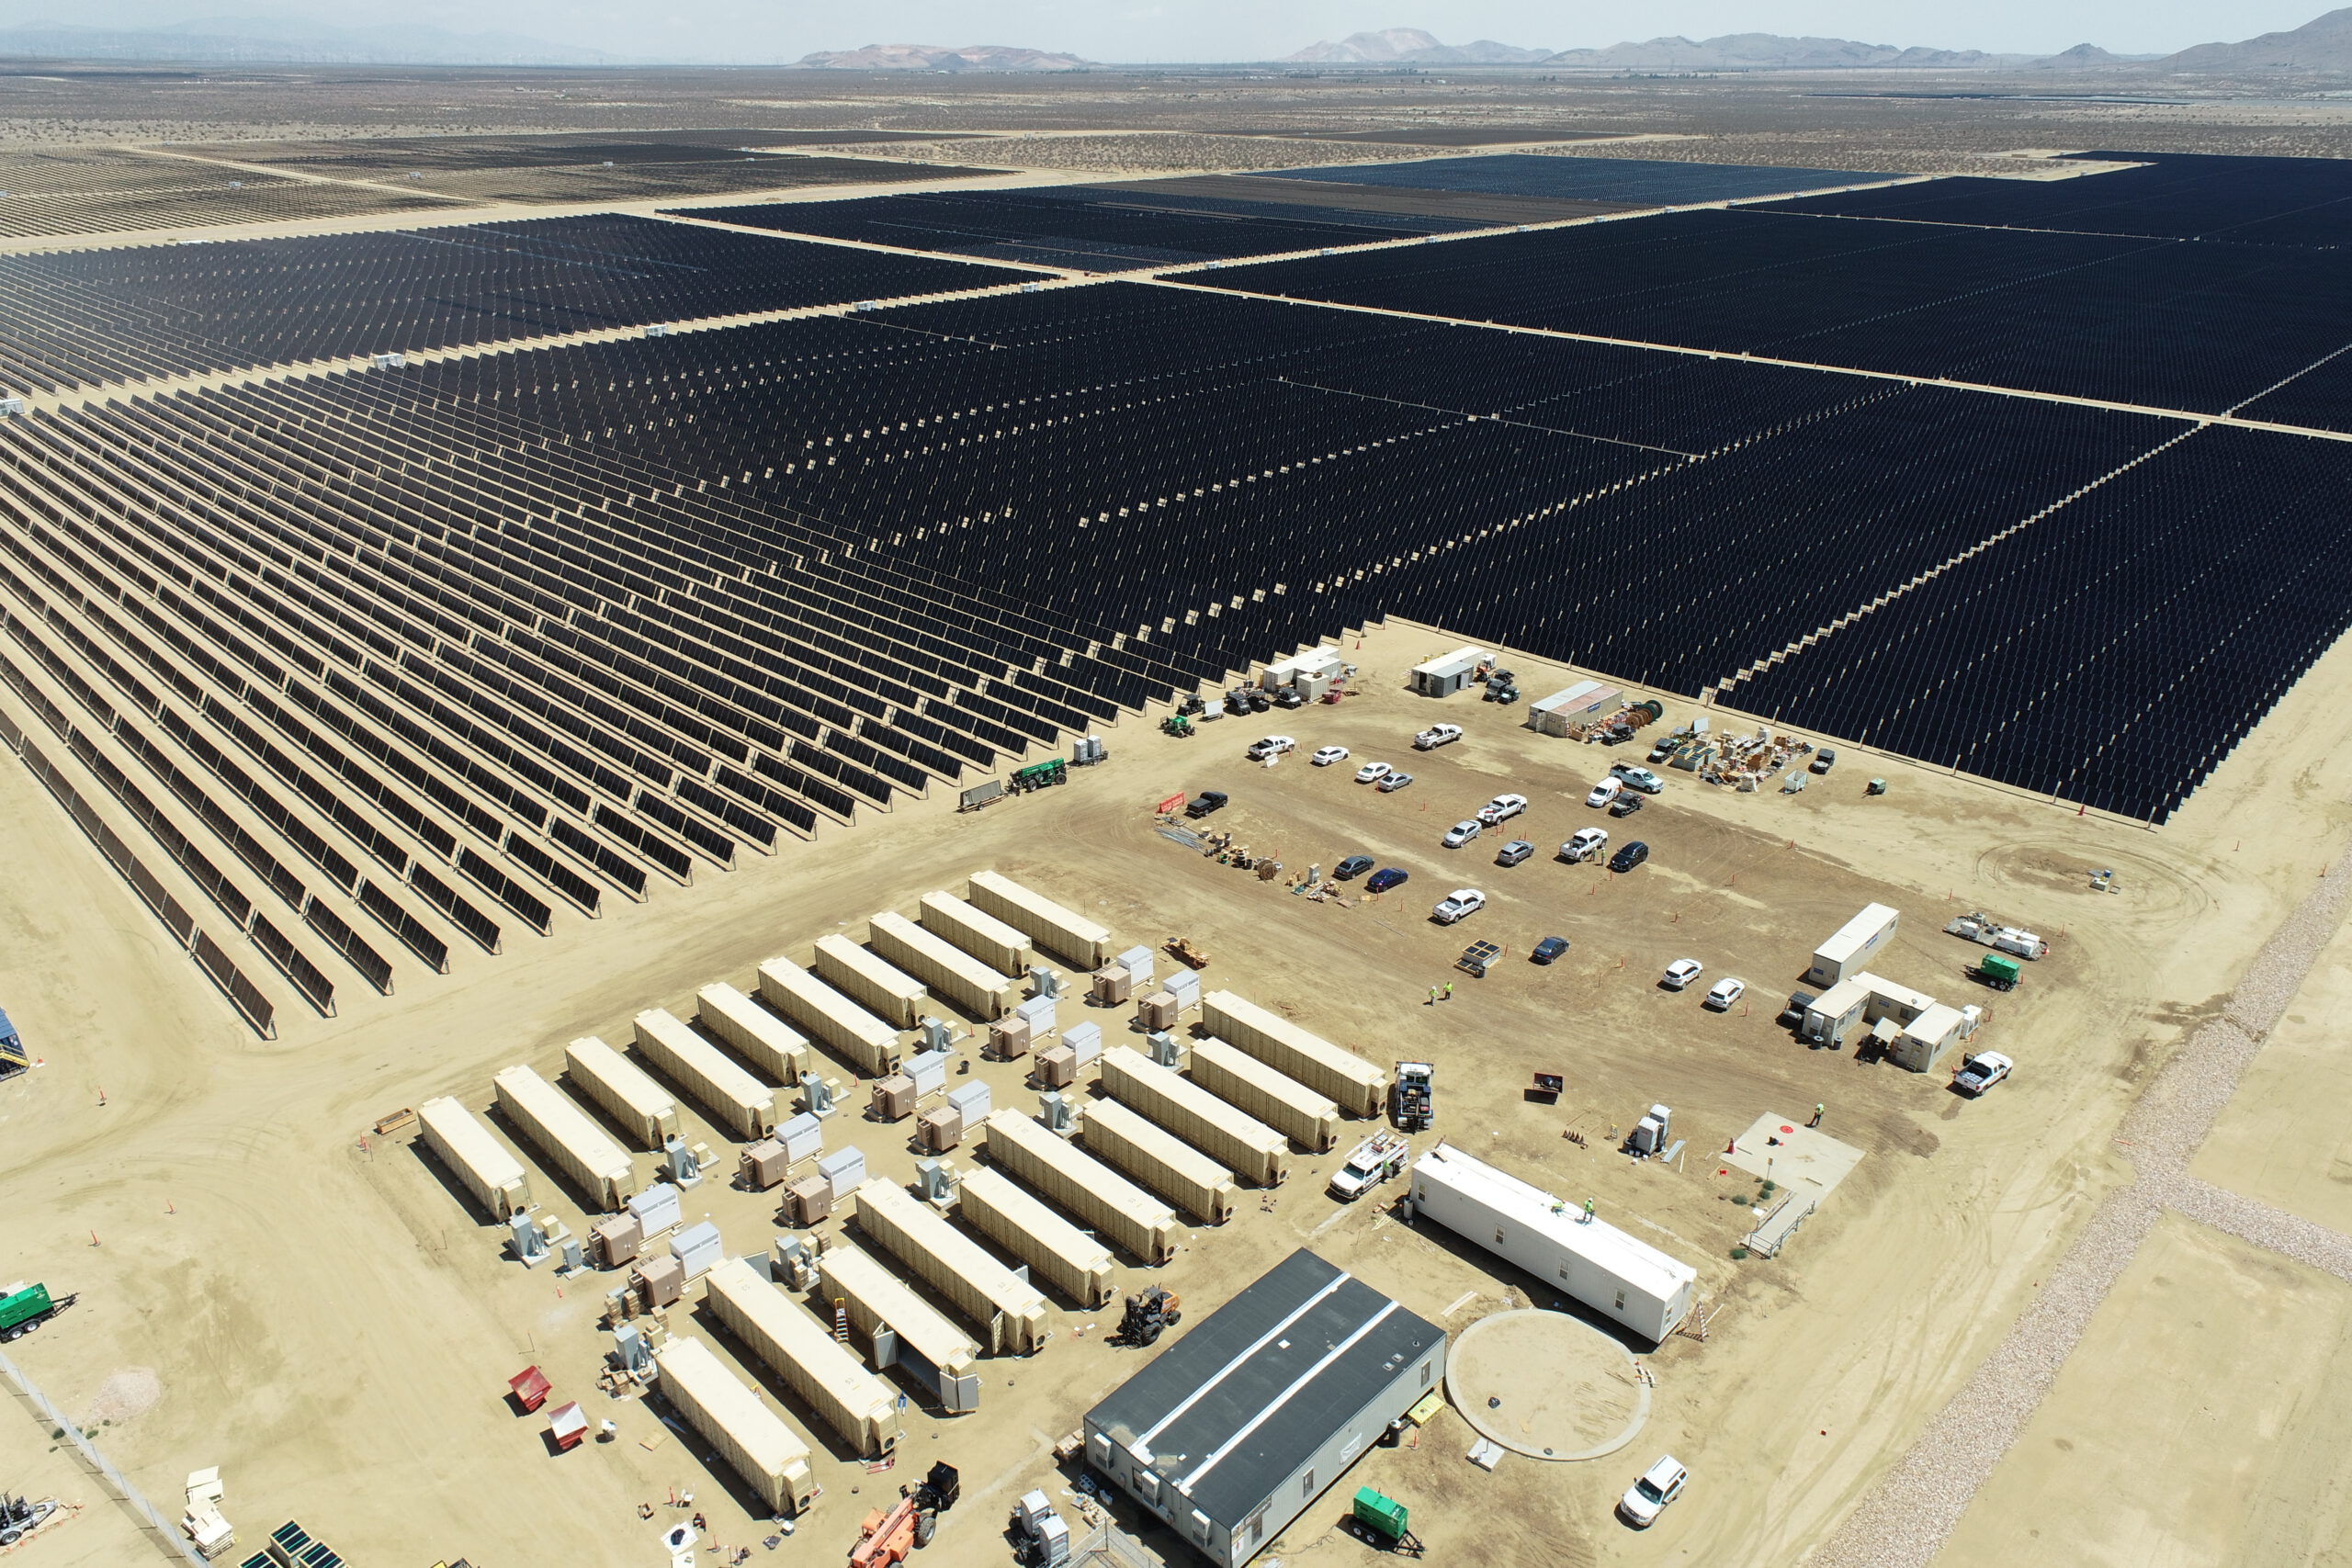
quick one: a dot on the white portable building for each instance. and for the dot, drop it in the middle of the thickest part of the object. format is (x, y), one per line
(1858, 999)
(1849, 950)
(1570, 707)
(1448, 673)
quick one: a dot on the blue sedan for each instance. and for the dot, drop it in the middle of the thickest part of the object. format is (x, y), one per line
(1382, 881)
(1551, 947)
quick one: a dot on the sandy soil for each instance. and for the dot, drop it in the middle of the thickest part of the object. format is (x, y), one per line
(2227, 1455)
(322, 1313)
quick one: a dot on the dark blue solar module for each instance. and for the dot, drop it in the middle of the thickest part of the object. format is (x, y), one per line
(1643, 182)
(1086, 228)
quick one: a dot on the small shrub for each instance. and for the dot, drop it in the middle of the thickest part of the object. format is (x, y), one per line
(1737, 1253)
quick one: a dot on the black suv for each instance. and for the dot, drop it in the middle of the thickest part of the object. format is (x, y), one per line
(1629, 857)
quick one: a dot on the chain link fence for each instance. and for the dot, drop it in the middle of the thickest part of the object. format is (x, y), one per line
(166, 1535)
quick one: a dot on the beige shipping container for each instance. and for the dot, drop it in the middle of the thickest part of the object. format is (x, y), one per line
(1339, 1074)
(951, 973)
(825, 1374)
(1160, 1160)
(479, 1161)
(778, 1051)
(855, 1034)
(641, 1108)
(750, 1437)
(1116, 1207)
(1010, 1309)
(1071, 937)
(1057, 1251)
(1239, 1141)
(596, 1166)
(977, 933)
(739, 1101)
(879, 987)
(877, 1302)
(1289, 1107)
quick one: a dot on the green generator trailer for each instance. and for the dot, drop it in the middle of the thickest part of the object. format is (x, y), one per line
(1382, 1521)
(24, 1308)
(1997, 972)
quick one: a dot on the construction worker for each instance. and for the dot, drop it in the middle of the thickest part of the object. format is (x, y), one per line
(1433, 1001)
(1588, 1211)
(1817, 1117)
(1449, 991)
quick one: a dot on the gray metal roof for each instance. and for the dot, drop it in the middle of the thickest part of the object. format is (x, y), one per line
(1241, 1401)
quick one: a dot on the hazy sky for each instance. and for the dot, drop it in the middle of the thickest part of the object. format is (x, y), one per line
(1126, 30)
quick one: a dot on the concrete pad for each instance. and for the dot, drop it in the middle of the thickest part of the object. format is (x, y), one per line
(1803, 1159)
(2195, 1425)
(1566, 1391)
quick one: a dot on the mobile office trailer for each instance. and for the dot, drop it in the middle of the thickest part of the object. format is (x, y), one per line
(1158, 1159)
(1070, 1176)
(1568, 707)
(826, 1374)
(881, 989)
(951, 973)
(642, 1108)
(904, 1329)
(1055, 1250)
(597, 1166)
(479, 1161)
(1012, 1310)
(1626, 1280)
(739, 1101)
(1240, 1142)
(848, 1030)
(1448, 673)
(1073, 938)
(1290, 1108)
(1354, 1084)
(750, 1437)
(778, 1051)
(976, 931)
(1860, 998)
(1847, 952)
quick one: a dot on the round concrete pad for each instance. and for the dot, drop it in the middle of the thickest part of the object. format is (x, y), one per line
(1568, 1390)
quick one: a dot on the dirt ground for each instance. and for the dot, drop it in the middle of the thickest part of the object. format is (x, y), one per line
(335, 1328)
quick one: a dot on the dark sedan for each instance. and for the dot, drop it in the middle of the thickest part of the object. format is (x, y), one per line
(1352, 867)
(1551, 947)
(1382, 881)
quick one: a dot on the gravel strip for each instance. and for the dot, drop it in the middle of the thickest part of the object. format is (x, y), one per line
(1907, 1517)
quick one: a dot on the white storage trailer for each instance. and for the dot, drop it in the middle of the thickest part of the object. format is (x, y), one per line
(1568, 707)
(1849, 950)
(1354, 1084)
(1011, 1311)
(884, 990)
(1161, 1161)
(479, 1161)
(951, 973)
(723, 1409)
(1448, 673)
(641, 1108)
(1290, 1108)
(1116, 1207)
(1056, 1251)
(1624, 1280)
(825, 1374)
(1073, 938)
(778, 1051)
(1239, 1141)
(596, 1166)
(904, 1329)
(976, 931)
(859, 1038)
(739, 1101)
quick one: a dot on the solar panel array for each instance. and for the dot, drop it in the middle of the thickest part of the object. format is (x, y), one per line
(73, 318)
(1643, 182)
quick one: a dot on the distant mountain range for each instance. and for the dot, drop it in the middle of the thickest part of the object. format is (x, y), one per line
(1396, 46)
(1733, 51)
(930, 57)
(2320, 45)
(261, 42)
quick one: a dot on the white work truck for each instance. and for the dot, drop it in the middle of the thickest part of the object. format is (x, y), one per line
(1370, 1163)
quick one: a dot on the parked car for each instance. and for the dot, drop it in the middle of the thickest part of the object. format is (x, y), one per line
(1271, 746)
(1641, 779)
(1352, 868)
(1392, 782)
(1382, 881)
(1629, 857)
(1605, 791)
(1725, 993)
(1501, 809)
(1583, 844)
(1460, 833)
(1625, 805)
(1207, 801)
(1646, 1498)
(1372, 772)
(1824, 760)
(1288, 697)
(1437, 735)
(1551, 947)
(1456, 905)
(1328, 755)
(1515, 851)
(1981, 1072)
(1680, 973)
(1667, 745)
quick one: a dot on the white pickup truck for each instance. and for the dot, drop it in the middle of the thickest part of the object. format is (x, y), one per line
(1370, 1163)
(1437, 735)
